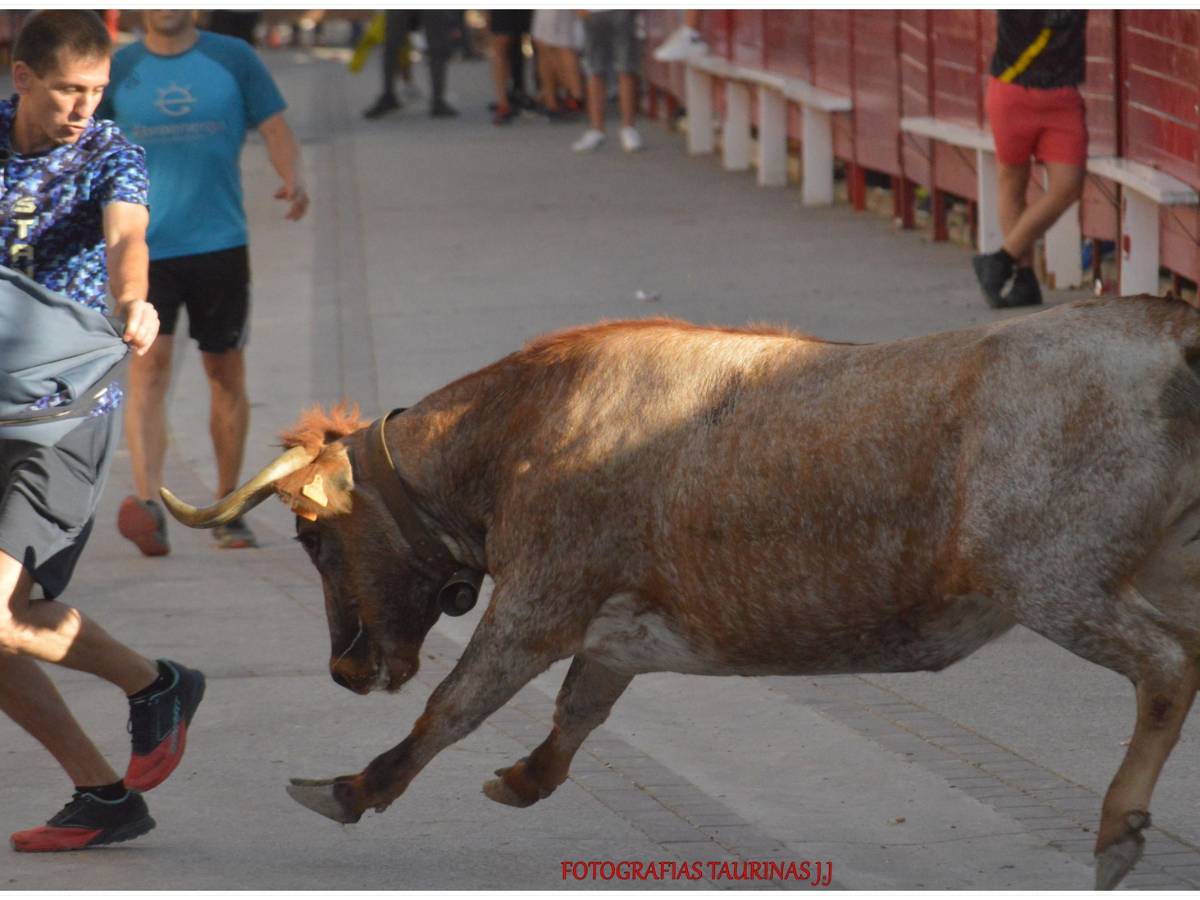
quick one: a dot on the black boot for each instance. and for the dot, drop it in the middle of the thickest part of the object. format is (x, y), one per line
(1025, 290)
(993, 271)
(385, 104)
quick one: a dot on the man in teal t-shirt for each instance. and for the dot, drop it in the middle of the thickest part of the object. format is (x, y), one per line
(189, 98)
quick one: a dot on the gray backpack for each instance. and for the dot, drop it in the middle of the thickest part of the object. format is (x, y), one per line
(58, 359)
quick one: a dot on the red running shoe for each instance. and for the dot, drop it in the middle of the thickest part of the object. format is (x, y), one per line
(144, 523)
(159, 725)
(87, 821)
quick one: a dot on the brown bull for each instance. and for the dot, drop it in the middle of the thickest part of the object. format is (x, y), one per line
(653, 496)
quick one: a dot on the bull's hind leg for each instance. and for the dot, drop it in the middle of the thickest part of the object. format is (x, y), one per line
(1162, 706)
(588, 693)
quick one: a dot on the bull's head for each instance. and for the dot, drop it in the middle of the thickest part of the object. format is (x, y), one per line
(380, 600)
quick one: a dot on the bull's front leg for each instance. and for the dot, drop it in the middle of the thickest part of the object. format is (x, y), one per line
(496, 665)
(588, 693)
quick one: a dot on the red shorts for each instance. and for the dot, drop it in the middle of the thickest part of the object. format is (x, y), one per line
(1048, 124)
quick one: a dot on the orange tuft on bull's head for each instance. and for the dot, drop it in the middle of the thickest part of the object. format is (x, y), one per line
(324, 486)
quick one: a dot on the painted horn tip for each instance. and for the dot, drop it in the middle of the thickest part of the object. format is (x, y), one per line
(182, 512)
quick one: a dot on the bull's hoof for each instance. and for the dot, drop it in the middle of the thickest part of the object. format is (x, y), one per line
(517, 786)
(498, 789)
(325, 796)
(1114, 861)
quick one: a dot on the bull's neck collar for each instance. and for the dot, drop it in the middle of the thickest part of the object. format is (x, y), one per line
(380, 470)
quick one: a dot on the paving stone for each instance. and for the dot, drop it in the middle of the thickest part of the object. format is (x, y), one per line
(1158, 843)
(1190, 872)
(698, 850)
(725, 817)
(743, 839)
(1068, 793)
(653, 777)
(699, 805)
(609, 749)
(985, 756)
(977, 780)
(929, 753)
(1071, 831)
(664, 826)
(838, 708)
(1174, 858)
(627, 800)
(940, 729)
(684, 791)
(601, 781)
(1039, 812)
(1081, 804)
(1138, 881)
(1020, 801)
(987, 793)
(896, 706)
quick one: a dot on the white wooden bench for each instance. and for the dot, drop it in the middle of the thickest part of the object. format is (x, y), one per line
(1147, 189)
(773, 94)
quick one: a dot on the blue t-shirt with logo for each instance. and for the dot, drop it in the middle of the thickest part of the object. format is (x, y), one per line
(52, 206)
(191, 112)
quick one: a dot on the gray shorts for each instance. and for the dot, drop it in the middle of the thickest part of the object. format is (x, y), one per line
(611, 42)
(48, 497)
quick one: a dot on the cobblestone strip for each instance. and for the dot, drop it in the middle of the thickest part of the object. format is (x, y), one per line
(673, 813)
(1061, 812)
(342, 320)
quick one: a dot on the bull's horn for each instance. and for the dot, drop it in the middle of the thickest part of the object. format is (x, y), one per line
(248, 496)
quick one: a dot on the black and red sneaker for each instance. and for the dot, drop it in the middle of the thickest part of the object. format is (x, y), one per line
(87, 821)
(159, 724)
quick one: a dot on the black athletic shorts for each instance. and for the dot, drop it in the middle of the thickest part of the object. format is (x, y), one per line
(48, 498)
(512, 22)
(215, 288)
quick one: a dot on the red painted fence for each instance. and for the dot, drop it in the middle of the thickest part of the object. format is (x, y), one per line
(1142, 94)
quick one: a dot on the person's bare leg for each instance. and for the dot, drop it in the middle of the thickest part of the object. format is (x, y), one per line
(50, 631)
(568, 70)
(547, 68)
(1012, 184)
(627, 92)
(54, 632)
(29, 698)
(229, 414)
(146, 416)
(500, 50)
(596, 100)
(1064, 188)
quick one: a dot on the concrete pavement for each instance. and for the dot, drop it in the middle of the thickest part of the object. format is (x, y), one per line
(434, 247)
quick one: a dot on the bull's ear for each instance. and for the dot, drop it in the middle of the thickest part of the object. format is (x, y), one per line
(323, 487)
(341, 476)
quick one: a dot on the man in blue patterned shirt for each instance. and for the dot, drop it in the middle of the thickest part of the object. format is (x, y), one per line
(73, 217)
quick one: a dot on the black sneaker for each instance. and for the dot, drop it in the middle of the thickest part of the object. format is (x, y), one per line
(159, 725)
(385, 104)
(522, 102)
(442, 110)
(234, 535)
(87, 821)
(1025, 290)
(993, 271)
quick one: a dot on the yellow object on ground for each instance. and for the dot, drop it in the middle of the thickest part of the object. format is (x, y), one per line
(372, 37)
